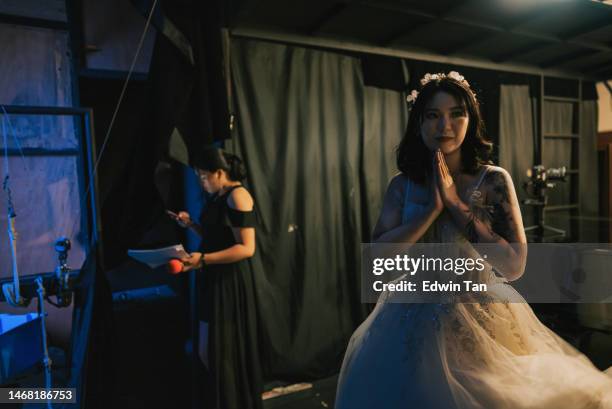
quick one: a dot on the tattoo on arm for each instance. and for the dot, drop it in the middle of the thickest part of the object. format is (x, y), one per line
(470, 228)
(500, 210)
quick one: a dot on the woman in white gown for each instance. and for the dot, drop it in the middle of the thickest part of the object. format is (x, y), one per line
(493, 355)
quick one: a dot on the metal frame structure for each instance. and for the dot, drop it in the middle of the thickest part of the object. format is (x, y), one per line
(86, 156)
(574, 140)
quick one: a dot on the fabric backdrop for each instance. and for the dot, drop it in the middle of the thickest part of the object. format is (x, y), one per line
(516, 138)
(318, 146)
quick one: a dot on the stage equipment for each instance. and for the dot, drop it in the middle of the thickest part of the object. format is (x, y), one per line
(10, 290)
(19, 348)
(540, 180)
(20, 341)
(63, 294)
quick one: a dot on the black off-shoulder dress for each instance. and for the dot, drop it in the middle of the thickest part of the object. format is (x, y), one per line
(227, 302)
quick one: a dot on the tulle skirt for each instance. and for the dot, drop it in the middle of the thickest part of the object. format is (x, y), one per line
(465, 356)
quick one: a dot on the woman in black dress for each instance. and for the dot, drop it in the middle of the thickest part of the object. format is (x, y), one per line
(228, 326)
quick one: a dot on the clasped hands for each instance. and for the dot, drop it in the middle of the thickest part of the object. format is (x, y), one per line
(444, 192)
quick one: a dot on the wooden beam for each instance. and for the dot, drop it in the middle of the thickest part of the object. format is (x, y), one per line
(398, 9)
(565, 58)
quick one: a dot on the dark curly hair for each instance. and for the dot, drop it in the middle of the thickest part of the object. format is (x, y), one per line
(414, 158)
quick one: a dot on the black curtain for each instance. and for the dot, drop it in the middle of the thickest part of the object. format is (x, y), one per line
(318, 146)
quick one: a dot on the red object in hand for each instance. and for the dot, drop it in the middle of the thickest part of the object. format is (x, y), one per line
(174, 266)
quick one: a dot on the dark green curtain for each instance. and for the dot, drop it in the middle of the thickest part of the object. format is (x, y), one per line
(385, 115)
(318, 147)
(517, 139)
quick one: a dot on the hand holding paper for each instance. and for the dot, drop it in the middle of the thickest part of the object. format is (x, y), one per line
(157, 257)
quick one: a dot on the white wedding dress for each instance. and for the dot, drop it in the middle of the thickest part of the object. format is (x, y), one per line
(464, 355)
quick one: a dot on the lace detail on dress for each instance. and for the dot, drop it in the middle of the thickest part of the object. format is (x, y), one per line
(413, 343)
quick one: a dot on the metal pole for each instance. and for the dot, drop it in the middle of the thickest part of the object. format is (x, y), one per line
(46, 359)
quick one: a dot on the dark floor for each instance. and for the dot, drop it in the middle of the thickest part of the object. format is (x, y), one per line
(151, 367)
(321, 395)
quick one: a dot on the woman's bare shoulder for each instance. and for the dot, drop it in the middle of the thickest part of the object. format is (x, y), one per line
(492, 169)
(497, 180)
(240, 199)
(398, 182)
(396, 190)
(496, 173)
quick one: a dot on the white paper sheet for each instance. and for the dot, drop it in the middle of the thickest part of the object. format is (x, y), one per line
(157, 257)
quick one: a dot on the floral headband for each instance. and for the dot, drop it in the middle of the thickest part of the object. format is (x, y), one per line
(411, 98)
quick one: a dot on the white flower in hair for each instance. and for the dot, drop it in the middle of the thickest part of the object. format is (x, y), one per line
(431, 77)
(456, 76)
(411, 98)
(440, 75)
